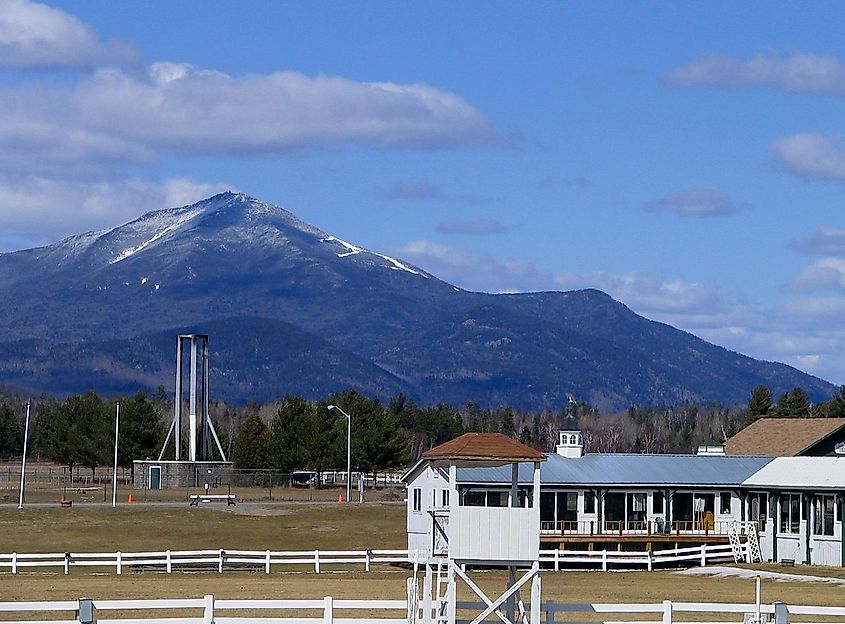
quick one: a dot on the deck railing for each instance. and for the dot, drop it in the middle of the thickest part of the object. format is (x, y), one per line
(634, 527)
(648, 559)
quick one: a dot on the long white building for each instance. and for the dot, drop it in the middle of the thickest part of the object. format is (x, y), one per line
(591, 501)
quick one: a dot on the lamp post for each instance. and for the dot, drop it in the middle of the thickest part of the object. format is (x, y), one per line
(348, 451)
(114, 472)
(23, 457)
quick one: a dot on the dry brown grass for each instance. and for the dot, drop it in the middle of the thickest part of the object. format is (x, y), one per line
(131, 528)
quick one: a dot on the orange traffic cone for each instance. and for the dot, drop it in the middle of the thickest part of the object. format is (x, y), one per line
(130, 500)
(340, 499)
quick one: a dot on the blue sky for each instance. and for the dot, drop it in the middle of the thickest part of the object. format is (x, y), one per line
(687, 158)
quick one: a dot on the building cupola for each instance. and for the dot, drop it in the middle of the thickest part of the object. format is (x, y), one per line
(570, 443)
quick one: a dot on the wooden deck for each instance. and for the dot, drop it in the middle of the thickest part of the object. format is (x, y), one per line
(615, 541)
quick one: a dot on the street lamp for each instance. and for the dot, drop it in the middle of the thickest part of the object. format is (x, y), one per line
(348, 451)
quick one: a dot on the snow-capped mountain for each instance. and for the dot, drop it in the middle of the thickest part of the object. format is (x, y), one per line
(291, 308)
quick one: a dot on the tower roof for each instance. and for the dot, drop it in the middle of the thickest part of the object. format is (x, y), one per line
(483, 447)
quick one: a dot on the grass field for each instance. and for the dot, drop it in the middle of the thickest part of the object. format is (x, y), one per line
(251, 527)
(293, 526)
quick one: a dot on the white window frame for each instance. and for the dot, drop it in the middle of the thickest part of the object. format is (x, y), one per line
(416, 496)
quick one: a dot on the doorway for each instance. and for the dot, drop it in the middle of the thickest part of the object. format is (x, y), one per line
(155, 477)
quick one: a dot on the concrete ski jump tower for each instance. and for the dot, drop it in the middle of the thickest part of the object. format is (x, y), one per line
(463, 536)
(197, 388)
(197, 467)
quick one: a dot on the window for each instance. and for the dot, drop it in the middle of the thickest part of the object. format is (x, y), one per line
(589, 503)
(445, 498)
(474, 499)
(497, 499)
(434, 498)
(790, 513)
(417, 499)
(823, 514)
(758, 508)
(725, 503)
(657, 502)
(573, 440)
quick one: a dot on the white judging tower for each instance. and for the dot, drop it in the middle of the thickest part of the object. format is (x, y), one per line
(462, 535)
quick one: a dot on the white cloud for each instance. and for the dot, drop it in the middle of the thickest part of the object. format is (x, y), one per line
(36, 35)
(798, 73)
(824, 274)
(427, 192)
(702, 202)
(825, 241)
(812, 155)
(115, 116)
(475, 227)
(36, 211)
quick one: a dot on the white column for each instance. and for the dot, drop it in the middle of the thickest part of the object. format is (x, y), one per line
(192, 414)
(177, 403)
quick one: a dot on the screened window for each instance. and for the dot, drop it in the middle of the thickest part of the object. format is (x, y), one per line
(823, 514)
(417, 499)
(445, 498)
(790, 513)
(657, 502)
(589, 503)
(725, 503)
(497, 499)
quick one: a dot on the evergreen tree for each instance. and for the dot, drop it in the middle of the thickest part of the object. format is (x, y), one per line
(507, 424)
(289, 429)
(141, 429)
(759, 402)
(11, 433)
(252, 444)
(835, 408)
(793, 404)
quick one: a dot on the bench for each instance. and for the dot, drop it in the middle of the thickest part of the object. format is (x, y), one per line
(196, 499)
(66, 503)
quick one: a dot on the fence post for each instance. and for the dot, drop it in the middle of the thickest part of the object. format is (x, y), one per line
(557, 559)
(413, 599)
(667, 612)
(781, 613)
(220, 561)
(317, 561)
(703, 555)
(208, 610)
(118, 562)
(604, 560)
(650, 565)
(328, 610)
(85, 611)
(169, 562)
(67, 563)
(267, 562)
(367, 555)
(14, 563)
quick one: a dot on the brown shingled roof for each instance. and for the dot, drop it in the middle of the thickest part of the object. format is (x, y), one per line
(781, 437)
(484, 447)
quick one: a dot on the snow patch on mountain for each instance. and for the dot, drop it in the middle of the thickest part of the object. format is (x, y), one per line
(352, 249)
(161, 232)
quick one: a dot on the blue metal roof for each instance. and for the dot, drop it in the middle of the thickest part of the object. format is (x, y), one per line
(622, 469)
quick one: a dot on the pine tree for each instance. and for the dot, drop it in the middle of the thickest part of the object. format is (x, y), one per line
(11, 433)
(759, 402)
(289, 429)
(252, 444)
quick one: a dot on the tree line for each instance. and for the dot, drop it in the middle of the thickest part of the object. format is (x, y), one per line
(300, 434)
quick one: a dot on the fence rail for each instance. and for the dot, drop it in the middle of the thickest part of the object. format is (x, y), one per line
(700, 555)
(221, 560)
(208, 610)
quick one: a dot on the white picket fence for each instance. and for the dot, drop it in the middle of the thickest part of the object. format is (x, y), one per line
(698, 555)
(211, 560)
(323, 560)
(210, 610)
